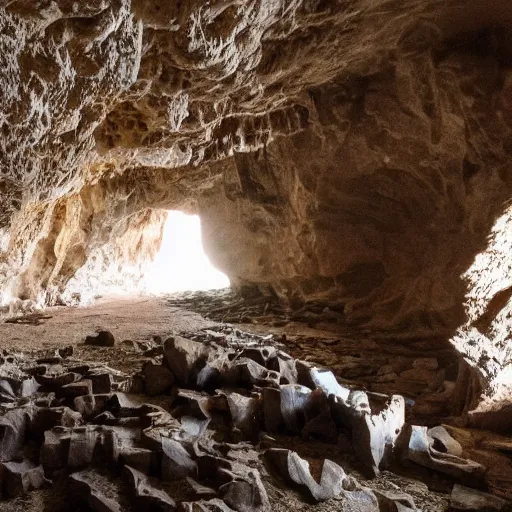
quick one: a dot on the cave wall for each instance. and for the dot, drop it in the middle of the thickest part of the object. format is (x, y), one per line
(87, 244)
(354, 151)
(383, 202)
(394, 202)
(134, 92)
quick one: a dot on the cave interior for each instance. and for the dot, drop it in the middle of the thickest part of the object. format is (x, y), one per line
(340, 173)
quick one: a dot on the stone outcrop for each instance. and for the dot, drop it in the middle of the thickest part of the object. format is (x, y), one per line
(353, 152)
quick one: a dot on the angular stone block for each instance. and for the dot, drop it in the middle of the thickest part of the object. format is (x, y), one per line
(246, 495)
(102, 339)
(295, 470)
(157, 379)
(99, 492)
(444, 442)
(183, 356)
(147, 491)
(466, 499)
(82, 444)
(101, 383)
(176, 461)
(55, 449)
(18, 478)
(13, 426)
(244, 412)
(80, 388)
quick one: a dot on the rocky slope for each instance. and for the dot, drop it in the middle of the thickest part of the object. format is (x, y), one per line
(223, 420)
(351, 151)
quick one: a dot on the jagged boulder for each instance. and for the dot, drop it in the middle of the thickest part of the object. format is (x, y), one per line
(199, 366)
(18, 478)
(295, 408)
(176, 462)
(423, 453)
(147, 491)
(99, 491)
(247, 494)
(102, 339)
(443, 442)
(244, 411)
(374, 436)
(157, 379)
(296, 470)
(13, 428)
(471, 500)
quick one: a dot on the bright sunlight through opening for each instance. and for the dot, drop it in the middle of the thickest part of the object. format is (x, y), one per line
(182, 264)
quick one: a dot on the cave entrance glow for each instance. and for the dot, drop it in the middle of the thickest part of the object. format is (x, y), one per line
(181, 263)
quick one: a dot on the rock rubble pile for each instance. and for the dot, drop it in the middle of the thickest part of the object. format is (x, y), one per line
(210, 424)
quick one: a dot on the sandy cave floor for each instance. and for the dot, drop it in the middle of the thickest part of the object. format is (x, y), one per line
(127, 317)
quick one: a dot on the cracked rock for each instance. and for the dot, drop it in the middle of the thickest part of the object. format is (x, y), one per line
(244, 412)
(157, 379)
(296, 470)
(285, 365)
(147, 491)
(214, 505)
(200, 490)
(55, 450)
(82, 445)
(248, 373)
(101, 383)
(320, 378)
(80, 388)
(466, 499)
(247, 494)
(261, 355)
(20, 477)
(183, 358)
(319, 421)
(13, 426)
(176, 462)
(375, 436)
(47, 418)
(141, 459)
(54, 382)
(423, 453)
(90, 406)
(444, 442)
(101, 493)
(394, 502)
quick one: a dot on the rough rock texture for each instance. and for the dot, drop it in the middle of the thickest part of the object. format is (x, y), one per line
(117, 449)
(355, 151)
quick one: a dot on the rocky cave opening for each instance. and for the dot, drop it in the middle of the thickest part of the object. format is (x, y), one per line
(174, 261)
(350, 162)
(181, 263)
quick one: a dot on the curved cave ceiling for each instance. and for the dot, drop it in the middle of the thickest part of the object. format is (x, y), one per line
(352, 151)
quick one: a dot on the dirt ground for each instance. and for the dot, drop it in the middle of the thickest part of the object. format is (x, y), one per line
(128, 318)
(139, 319)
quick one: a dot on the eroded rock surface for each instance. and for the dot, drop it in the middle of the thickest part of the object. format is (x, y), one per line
(356, 153)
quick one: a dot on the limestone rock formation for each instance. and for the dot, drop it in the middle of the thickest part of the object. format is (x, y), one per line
(354, 151)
